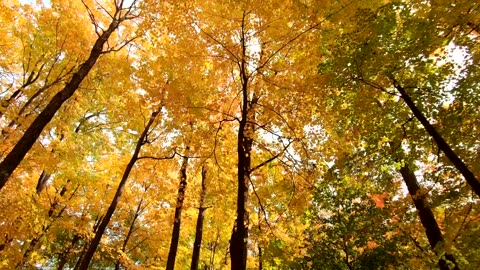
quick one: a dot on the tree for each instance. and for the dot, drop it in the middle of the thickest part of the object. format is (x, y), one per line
(15, 156)
(197, 245)
(113, 205)
(384, 37)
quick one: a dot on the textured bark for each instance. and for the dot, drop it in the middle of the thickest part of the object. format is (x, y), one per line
(172, 253)
(441, 143)
(239, 238)
(199, 228)
(16, 155)
(113, 205)
(427, 218)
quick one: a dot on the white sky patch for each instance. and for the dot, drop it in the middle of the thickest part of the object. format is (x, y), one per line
(34, 3)
(460, 58)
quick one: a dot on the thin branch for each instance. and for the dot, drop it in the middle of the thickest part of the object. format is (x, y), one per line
(261, 207)
(159, 158)
(271, 158)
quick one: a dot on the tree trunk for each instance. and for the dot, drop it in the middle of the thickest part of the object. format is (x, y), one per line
(16, 155)
(63, 258)
(442, 144)
(172, 253)
(199, 228)
(427, 218)
(42, 181)
(130, 230)
(239, 238)
(113, 205)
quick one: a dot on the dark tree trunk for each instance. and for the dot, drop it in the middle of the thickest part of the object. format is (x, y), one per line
(172, 253)
(199, 228)
(442, 144)
(16, 155)
(42, 181)
(260, 259)
(113, 205)
(427, 218)
(239, 238)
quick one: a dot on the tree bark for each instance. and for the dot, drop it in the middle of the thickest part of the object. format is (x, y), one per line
(239, 238)
(442, 144)
(199, 228)
(16, 155)
(113, 205)
(427, 218)
(172, 253)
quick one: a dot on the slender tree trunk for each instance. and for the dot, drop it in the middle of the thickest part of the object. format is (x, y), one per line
(113, 205)
(442, 144)
(16, 155)
(427, 218)
(63, 259)
(199, 228)
(239, 238)
(172, 253)
(130, 230)
(260, 259)
(53, 207)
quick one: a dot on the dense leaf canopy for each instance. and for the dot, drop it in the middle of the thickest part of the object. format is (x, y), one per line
(239, 134)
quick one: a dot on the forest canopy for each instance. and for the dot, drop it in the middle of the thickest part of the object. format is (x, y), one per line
(197, 134)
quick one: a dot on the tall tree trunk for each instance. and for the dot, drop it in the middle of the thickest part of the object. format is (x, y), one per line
(427, 218)
(172, 253)
(239, 238)
(113, 205)
(442, 144)
(16, 155)
(130, 230)
(199, 228)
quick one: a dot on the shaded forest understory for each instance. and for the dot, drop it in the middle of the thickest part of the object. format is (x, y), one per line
(199, 134)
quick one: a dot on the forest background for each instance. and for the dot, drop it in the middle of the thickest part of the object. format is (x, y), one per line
(294, 134)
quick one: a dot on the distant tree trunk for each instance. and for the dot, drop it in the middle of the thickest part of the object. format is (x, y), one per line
(260, 259)
(63, 258)
(130, 230)
(427, 218)
(113, 205)
(213, 248)
(239, 238)
(42, 181)
(16, 155)
(172, 253)
(53, 207)
(441, 143)
(199, 228)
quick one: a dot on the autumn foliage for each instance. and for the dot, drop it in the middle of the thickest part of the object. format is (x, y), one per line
(271, 134)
